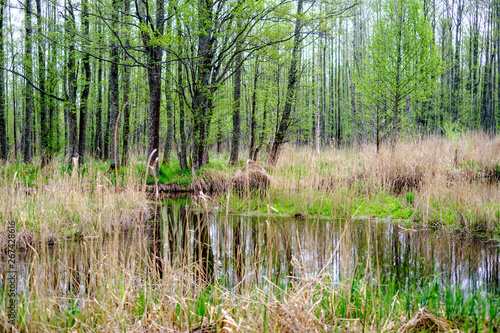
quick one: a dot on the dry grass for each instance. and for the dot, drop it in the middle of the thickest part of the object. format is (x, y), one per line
(123, 292)
(251, 177)
(210, 181)
(104, 283)
(448, 180)
(108, 281)
(423, 321)
(48, 204)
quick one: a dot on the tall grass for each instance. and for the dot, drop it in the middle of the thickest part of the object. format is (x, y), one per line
(114, 274)
(53, 203)
(114, 284)
(436, 182)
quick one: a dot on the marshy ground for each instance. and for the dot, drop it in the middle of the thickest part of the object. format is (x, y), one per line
(349, 240)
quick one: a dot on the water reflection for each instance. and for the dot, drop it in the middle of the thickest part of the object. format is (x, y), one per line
(241, 251)
(235, 249)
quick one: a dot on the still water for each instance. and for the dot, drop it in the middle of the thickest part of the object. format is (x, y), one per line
(252, 250)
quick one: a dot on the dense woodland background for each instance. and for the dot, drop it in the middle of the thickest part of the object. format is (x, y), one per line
(102, 78)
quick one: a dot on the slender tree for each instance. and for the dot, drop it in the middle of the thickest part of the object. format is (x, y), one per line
(404, 59)
(82, 138)
(182, 149)
(253, 149)
(28, 91)
(98, 138)
(3, 109)
(235, 143)
(168, 97)
(126, 86)
(293, 76)
(72, 71)
(152, 29)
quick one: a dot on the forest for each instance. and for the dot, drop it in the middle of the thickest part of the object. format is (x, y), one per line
(249, 166)
(106, 78)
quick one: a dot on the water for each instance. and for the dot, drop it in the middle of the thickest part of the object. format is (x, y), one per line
(258, 248)
(251, 250)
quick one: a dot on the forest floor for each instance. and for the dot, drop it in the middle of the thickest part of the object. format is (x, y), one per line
(431, 184)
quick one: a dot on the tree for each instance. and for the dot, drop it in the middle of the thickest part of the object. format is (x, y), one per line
(114, 93)
(126, 88)
(235, 143)
(151, 31)
(226, 34)
(3, 109)
(86, 86)
(293, 76)
(403, 58)
(28, 92)
(72, 72)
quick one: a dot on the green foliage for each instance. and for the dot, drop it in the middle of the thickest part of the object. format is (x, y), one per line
(403, 59)
(27, 174)
(451, 130)
(171, 174)
(471, 165)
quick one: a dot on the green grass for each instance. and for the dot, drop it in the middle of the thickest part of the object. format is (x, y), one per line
(170, 173)
(344, 204)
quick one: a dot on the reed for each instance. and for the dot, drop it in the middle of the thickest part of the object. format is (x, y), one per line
(113, 284)
(95, 258)
(434, 182)
(50, 203)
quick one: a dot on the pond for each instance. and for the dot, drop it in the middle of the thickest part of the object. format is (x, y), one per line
(251, 250)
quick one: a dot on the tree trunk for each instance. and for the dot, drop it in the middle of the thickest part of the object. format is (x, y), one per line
(170, 119)
(253, 122)
(154, 54)
(317, 127)
(475, 59)
(456, 65)
(98, 141)
(338, 135)
(86, 86)
(235, 143)
(486, 84)
(293, 75)
(202, 90)
(354, 115)
(44, 121)
(107, 130)
(126, 90)
(168, 98)
(154, 80)
(182, 152)
(52, 86)
(3, 109)
(28, 92)
(72, 84)
(395, 117)
(114, 95)
(323, 93)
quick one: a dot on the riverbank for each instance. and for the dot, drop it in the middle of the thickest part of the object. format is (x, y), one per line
(113, 276)
(432, 184)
